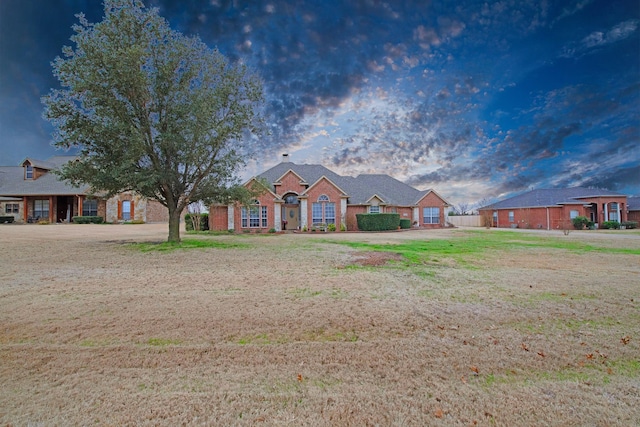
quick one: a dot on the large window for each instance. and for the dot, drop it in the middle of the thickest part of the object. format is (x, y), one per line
(613, 213)
(41, 209)
(323, 211)
(431, 215)
(254, 216)
(511, 216)
(11, 208)
(573, 213)
(90, 207)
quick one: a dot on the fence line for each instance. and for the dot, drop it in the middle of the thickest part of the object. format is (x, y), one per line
(465, 220)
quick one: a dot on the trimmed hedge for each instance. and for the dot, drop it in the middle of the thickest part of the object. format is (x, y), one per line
(581, 222)
(204, 222)
(378, 222)
(615, 225)
(405, 223)
(630, 224)
(87, 220)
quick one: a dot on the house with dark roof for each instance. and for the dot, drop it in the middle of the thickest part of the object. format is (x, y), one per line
(301, 196)
(555, 208)
(33, 192)
(633, 208)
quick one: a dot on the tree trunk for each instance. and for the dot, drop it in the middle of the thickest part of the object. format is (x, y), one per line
(174, 225)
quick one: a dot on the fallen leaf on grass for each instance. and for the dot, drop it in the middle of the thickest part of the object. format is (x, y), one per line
(474, 369)
(541, 353)
(524, 347)
(590, 356)
(625, 340)
(300, 377)
(438, 413)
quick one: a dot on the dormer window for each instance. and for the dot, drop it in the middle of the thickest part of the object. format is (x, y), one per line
(28, 173)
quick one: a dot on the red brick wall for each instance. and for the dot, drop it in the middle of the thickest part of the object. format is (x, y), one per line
(432, 200)
(352, 211)
(265, 199)
(290, 182)
(328, 189)
(156, 212)
(218, 219)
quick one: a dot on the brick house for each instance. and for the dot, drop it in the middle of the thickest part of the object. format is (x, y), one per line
(555, 208)
(304, 196)
(32, 192)
(633, 209)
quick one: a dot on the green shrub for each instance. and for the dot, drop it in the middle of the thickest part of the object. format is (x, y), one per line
(405, 223)
(343, 227)
(87, 220)
(378, 222)
(613, 225)
(204, 222)
(630, 224)
(331, 227)
(580, 222)
(272, 230)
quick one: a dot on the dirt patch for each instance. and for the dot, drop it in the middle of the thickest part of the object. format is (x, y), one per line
(375, 259)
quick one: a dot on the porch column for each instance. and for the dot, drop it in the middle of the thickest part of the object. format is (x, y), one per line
(25, 210)
(51, 209)
(231, 217)
(606, 213)
(277, 216)
(80, 199)
(416, 215)
(343, 213)
(303, 213)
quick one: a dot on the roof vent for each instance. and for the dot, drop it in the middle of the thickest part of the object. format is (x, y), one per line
(285, 158)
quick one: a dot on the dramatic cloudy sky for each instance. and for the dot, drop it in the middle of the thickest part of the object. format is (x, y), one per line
(476, 99)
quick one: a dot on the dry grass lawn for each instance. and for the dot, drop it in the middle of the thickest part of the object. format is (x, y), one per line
(535, 329)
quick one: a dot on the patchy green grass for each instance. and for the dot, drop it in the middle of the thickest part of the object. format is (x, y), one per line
(470, 245)
(162, 342)
(187, 244)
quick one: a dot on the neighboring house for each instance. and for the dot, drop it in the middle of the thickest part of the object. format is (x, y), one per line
(32, 192)
(555, 208)
(305, 196)
(633, 207)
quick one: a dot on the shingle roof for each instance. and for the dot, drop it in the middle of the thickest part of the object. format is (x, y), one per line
(633, 203)
(359, 189)
(12, 182)
(551, 197)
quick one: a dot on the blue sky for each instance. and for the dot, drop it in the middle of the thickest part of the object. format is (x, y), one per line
(475, 99)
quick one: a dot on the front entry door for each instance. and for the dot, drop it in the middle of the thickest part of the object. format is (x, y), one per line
(291, 214)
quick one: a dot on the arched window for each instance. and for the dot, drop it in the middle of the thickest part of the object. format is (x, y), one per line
(291, 199)
(323, 211)
(254, 216)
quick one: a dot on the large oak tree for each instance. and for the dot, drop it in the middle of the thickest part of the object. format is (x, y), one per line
(153, 111)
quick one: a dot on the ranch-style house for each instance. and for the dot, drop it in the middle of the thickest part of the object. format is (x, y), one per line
(305, 197)
(32, 192)
(555, 208)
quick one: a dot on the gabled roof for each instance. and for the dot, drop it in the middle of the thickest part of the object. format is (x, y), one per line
(12, 182)
(360, 189)
(552, 197)
(633, 203)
